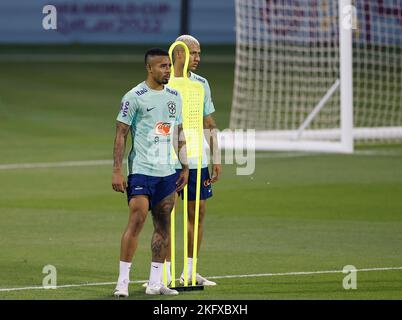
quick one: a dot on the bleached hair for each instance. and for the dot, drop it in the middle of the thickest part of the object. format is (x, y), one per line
(187, 39)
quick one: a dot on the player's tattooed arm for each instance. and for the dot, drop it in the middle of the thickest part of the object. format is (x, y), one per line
(211, 135)
(118, 181)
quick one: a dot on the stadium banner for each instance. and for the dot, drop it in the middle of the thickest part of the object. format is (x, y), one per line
(293, 20)
(213, 21)
(114, 21)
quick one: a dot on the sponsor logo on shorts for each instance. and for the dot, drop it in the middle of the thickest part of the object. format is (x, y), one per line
(163, 128)
(138, 188)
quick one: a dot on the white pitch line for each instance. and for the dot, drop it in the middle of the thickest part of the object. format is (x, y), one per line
(281, 155)
(364, 153)
(267, 155)
(86, 163)
(55, 164)
(301, 273)
(385, 152)
(210, 277)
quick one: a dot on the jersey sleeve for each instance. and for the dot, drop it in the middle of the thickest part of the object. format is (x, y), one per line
(208, 104)
(128, 110)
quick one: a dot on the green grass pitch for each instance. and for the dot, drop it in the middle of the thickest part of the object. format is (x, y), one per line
(297, 212)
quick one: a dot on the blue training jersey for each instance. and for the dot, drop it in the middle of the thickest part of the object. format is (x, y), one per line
(151, 115)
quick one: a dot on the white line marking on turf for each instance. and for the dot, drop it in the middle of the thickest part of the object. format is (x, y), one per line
(86, 163)
(267, 155)
(381, 152)
(364, 153)
(212, 277)
(282, 155)
(55, 164)
(300, 273)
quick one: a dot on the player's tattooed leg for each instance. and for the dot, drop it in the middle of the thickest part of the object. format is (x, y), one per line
(161, 219)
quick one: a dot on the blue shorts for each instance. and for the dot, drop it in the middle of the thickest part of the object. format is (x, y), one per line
(205, 181)
(156, 188)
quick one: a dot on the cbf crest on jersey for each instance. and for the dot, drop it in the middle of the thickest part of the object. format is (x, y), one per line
(172, 109)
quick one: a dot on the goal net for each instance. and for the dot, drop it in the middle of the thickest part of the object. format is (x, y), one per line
(318, 74)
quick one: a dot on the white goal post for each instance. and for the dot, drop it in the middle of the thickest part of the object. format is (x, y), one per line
(318, 75)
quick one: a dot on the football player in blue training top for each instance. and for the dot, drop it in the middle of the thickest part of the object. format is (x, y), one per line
(151, 112)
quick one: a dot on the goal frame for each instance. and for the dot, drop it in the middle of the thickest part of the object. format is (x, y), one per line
(340, 140)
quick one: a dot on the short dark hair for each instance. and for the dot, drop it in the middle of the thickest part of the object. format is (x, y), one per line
(155, 52)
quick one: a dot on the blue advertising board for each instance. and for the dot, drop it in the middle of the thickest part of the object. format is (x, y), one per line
(114, 21)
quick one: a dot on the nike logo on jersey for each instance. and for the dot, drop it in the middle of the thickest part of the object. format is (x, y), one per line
(149, 109)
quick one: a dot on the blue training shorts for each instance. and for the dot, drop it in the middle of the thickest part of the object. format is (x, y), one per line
(205, 181)
(156, 188)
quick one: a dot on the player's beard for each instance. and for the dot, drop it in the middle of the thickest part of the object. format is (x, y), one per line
(193, 67)
(162, 80)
